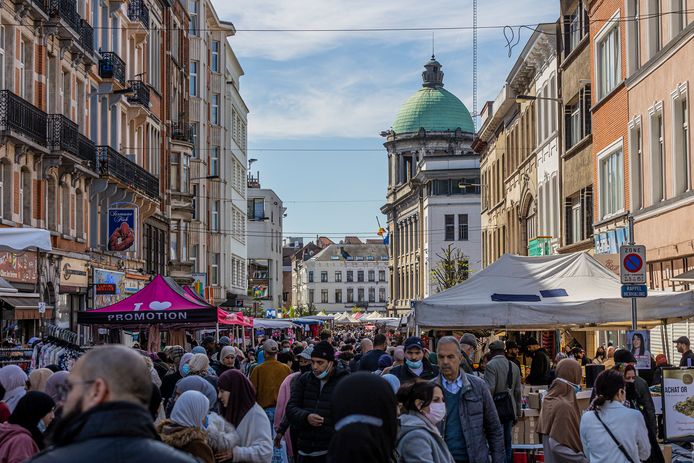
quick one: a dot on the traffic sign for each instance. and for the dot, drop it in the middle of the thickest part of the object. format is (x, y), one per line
(634, 291)
(632, 269)
(42, 307)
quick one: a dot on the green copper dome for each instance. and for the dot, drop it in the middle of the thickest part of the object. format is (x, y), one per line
(432, 107)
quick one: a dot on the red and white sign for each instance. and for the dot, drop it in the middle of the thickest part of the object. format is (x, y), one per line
(632, 264)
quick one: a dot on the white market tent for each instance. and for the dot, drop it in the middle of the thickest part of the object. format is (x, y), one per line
(548, 291)
(20, 239)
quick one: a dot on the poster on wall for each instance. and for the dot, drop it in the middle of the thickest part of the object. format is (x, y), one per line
(121, 229)
(199, 283)
(678, 404)
(18, 267)
(109, 287)
(639, 344)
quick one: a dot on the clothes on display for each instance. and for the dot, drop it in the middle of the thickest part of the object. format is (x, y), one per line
(57, 348)
(16, 356)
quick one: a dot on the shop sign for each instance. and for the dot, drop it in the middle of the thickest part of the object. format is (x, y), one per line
(73, 272)
(115, 280)
(19, 268)
(121, 229)
(609, 242)
(678, 404)
(199, 283)
(105, 288)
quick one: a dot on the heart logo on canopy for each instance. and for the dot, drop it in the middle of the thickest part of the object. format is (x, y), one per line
(156, 305)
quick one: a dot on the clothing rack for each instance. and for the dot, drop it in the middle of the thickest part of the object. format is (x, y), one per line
(61, 334)
(16, 356)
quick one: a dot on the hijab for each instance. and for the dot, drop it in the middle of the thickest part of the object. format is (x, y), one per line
(38, 379)
(190, 410)
(199, 350)
(241, 399)
(365, 413)
(227, 350)
(196, 383)
(56, 386)
(185, 358)
(199, 364)
(174, 354)
(14, 380)
(559, 417)
(29, 411)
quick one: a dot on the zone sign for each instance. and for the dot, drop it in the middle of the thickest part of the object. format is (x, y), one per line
(632, 268)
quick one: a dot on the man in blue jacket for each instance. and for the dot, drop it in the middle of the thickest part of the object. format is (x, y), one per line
(471, 429)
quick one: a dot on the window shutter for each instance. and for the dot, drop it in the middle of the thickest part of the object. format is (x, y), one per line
(567, 126)
(567, 35)
(587, 212)
(585, 111)
(568, 222)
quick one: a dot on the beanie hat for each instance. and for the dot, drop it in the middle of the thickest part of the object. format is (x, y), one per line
(469, 339)
(323, 350)
(385, 361)
(224, 341)
(660, 359)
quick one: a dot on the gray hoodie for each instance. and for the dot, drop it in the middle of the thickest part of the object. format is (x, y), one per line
(420, 441)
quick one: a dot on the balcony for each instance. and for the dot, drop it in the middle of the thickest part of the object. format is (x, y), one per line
(112, 67)
(113, 164)
(36, 9)
(62, 134)
(87, 40)
(64, 14)
(138, 11)
(140, 93)
(19, 117)
(86, 150)
(182, 131)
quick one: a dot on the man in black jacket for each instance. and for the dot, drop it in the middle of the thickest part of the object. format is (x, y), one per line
(105, 418)
(687, 359)
(310, 406)
(416, 365)
(369, 361)
(539, 368)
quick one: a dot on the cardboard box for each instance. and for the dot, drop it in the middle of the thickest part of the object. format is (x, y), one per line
(534, 400)
(518, 433)
(530, 412)
(667, 452)
(531, 436)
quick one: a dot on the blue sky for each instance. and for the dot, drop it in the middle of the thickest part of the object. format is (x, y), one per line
(323, 91)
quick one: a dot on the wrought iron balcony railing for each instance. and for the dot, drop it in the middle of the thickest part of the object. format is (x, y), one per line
(111, 66)
(65, 10)
(87, 150)
(141, 93)
(113, 164)
(62, 134)
(182, 131)
(19, 115)
(138, 11)
(87, 37)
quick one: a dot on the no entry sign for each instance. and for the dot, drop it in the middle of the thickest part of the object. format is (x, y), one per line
(632, 264)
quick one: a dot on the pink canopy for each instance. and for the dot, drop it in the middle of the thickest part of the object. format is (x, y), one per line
(227, 318)
(161, 301)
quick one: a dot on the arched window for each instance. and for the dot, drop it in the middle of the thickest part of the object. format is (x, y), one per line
(65, 193)
(79, 214)
(25, 195)
(52, 203)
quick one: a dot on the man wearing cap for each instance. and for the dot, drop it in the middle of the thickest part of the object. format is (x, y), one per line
(310, 406)
(539, 367)
(496, 376)
(512, 352)
(416, 365)
(267, 378)
(687, 359)
(468, 345)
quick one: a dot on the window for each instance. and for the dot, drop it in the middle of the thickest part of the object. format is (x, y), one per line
(185, 173)
(194, 256)
(633, 27)
(175, 171)
(678, 19)
(214, 160)
(611, 178)
(636, 150)
(323, 277)
(372, 275)
(381, 294)
(575, 27)
(256, 209)
(360, 294)
(173, 240)
(184, 241)
(654, 32)
(311, 297)
(681, 141)
(195, 202)
(381, 275)
(214, 112)
(608, 66)
(310, 276)
(576, 223)
(155, 60)
(214, 222)
(338, 277)
(450, 227)
(372, 294)
(194, 12)
(2, 57)
(360, 276)
(657, 156)
(338, 296)
(25, 198)
(350, 295)
(350, 276)
(214, 269)
(462, 186)
(194, 66)
(324, 296)
(462, 227)
(214, 62)
(21, 71)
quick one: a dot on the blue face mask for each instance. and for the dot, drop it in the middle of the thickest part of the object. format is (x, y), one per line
(185, 369)
(206, 423)
(414, 365)
(577, 387)
(323, 375)
(41, 426)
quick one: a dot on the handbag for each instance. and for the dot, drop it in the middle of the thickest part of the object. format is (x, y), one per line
(619, 444)
(503, 400)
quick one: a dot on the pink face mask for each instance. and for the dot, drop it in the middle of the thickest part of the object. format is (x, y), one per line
(436, 413)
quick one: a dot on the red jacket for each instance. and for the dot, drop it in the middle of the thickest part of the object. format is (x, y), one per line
(16, 444)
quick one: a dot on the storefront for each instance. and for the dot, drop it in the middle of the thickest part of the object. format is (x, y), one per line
(72, 292)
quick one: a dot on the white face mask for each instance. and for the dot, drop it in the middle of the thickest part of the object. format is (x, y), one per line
(436, 413)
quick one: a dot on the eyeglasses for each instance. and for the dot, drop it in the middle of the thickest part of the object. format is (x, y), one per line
(70, 385)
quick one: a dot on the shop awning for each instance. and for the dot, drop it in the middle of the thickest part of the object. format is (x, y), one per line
(265, 323)
(20, 239)
(686, 277)
(24, 306)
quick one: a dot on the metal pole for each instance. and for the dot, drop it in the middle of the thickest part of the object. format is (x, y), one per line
(634, 316)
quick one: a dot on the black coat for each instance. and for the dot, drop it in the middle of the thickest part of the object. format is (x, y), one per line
(687, 357)
(404, 374)
(308, 397)
(369, 361)
(539, 369)
(113, 432)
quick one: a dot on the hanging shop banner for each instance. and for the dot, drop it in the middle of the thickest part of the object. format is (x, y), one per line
(20, 268)
(639, 343)
(73, 272)
(121, 229)
(109, 287)
(199, 283)
(678, 404)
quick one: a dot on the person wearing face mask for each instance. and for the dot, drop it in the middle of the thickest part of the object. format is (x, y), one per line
(416, 365)
(560, 417)
(185, 430)
(424, 408)
(610, 431)
(22, 436)
(636, 399)
(309, 408)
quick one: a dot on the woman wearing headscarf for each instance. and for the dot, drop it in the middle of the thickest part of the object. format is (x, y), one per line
(366, 413)
(185, 430)
(56, 388)
(14, 380)
(38, 378)
(239, 407)
(560, 418)
(199, 365)
(227, 360)
(22, 436)
(4, 409)
(175, 355)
